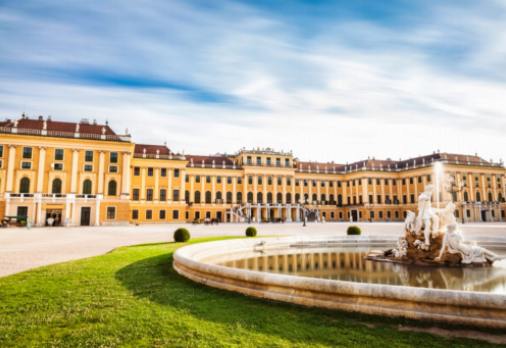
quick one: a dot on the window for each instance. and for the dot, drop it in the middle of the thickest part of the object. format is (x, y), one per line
(26, 165)
(250, 180)
(278, 162)
(113, 169)
(163, 194)
(88, 156)
(149, 214)
(280, 180)
(1, 150)
(187, 196)
(88, 168)
(58, 154)
(111, 213)
(161, 214)
(411, 180)
(24, 185)
(229, 180)
(197, 197)
(197, 178)
(248, 160)
(163, 172)
(56, 186)
(218, 179)
(269, 180)
(58, 166)
(113, 157)
(87, 187)
(150, 171)
(239, 180)
(149, 194)
(176, 173)
(208, 197)
(259, 161)
(135, 214)
(175, 195)
(175, 214)
(27, 152)
(412, 198)
(239, 197)
(137, 171)
(229, 197)
(135, 194)
(268, 161)
(288, 181)
(208, 179)
(419, 179)
(259, 180)
(112, 188)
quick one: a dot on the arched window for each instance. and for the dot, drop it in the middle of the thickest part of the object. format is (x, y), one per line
(250, 197)
(339, 200)
(478, 196)
(331, 199)
(322, 199)
(24, 185)
(56, 186)
(187, 196)
(239, 197)
(306, 197)
(111, 188)
(87, 187)
(490, 197)
(288, 198)
(218, 196)
(196, 197)
(315, 197)
(269, 197)
(500, 198)
(208, 197)
(229, 197)
(466, 196)
(279, 198)
(297, 198)
(259, 197)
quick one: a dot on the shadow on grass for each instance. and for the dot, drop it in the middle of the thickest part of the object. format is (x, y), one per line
(155, 279)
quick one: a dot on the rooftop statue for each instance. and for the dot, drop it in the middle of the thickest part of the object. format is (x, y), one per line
(432, 236)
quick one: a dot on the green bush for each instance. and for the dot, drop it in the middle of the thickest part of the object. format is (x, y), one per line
(181, 235)
(353, 231)
(251, 231)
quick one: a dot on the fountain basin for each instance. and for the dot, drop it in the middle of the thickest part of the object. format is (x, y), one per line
(205, 263)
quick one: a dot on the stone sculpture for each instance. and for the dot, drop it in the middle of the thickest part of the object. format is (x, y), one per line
(433, 237)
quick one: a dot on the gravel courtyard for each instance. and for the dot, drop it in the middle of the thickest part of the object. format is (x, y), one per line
(22, 249)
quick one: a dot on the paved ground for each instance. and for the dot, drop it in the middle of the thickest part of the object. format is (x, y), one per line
(22, 248)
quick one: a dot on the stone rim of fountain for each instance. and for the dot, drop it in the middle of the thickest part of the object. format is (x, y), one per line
(453, 306)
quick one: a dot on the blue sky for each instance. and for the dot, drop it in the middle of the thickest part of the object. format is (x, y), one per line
(330, 80)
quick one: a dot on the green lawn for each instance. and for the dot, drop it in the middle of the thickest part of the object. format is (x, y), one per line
(133, 297)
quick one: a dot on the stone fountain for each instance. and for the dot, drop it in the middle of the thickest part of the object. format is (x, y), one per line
(432, 237)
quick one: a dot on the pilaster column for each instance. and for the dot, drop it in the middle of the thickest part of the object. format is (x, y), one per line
(143, 184)
(255, 188)
(192, 189)
(224, 189)
(126, 182)
(318, 190)
(264, 190)
(156, 193)
(101, 168)
(169, 185)
(283, 187)
(202, 189)
(97, 210)
(183, 185)
(374, 198)
(73, 175)
(365, 196)
(10, 169)
(41, 169)
(234, 190)
(275, 189)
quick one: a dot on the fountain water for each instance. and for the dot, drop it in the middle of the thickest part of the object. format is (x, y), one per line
(438, 180)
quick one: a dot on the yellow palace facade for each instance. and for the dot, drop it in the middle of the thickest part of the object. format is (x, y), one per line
(83, 173)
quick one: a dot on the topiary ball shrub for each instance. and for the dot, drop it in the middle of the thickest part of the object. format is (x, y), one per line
(251, 231)
(181, 235)
(353, 231)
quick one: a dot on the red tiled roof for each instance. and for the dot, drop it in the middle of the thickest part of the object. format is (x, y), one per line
(151, 149)
(319, 166)
(219, 160)
(59, 126)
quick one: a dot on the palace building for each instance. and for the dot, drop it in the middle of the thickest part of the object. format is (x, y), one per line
(64, 173)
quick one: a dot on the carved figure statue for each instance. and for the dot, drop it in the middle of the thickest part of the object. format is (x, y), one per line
(454, 243)
(427, 217)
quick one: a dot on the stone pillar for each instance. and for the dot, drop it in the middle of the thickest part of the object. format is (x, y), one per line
(224, 190)
(74, 173)
(202, 190)
(126, 182)
(310, 191)
(283, 188)
(11, 164)
(101, 168)
(41, 170)
(259, 213)
(374, 198)
(318, 190)
(192, 188)
(297, 213)
(97, 210)
(264, 189)
(365, 196)
(40, 219)
(288, 213)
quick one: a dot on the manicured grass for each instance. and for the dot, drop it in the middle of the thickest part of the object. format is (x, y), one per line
(132, 297)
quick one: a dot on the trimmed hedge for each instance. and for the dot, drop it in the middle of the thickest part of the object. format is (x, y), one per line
(251, 231)
(353, 231)
(181, 235)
